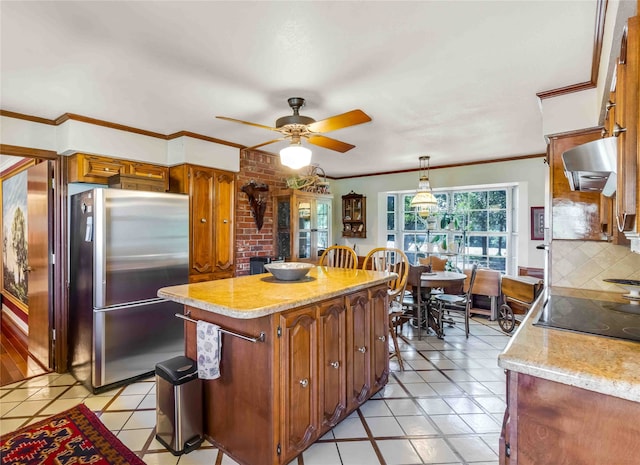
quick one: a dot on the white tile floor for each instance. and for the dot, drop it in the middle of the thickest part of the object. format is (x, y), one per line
(445, 408)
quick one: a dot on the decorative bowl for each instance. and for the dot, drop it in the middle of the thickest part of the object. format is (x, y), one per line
(288, 271)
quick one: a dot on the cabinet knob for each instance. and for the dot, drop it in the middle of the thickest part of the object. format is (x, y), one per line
(362, 349)
(382, 338)
(106, 169)
(225, 221)
(304, 382)
(203, 220)
(335, 364)
(617, 130)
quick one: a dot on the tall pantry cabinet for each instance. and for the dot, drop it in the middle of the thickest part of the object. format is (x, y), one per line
(212, 217)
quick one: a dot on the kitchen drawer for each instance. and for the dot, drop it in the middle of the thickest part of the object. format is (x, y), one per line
(150, 171)
(94, 169)
(101, 167)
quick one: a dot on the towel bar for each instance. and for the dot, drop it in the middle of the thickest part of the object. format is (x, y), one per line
(231, 333)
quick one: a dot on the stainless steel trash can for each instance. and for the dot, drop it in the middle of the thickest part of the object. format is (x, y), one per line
(178, 405)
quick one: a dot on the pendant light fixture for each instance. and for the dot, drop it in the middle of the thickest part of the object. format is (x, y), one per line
(295, 156)
(424, 200)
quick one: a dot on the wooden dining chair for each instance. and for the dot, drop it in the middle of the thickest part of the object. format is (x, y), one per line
(457, 303)
(339, 256)
(393, 260)
(436, 263)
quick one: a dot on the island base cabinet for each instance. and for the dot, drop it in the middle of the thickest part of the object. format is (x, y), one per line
(300, 388)
(275, 398)
(547, 422)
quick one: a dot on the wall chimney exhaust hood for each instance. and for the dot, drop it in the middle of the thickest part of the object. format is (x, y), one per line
(591, 167)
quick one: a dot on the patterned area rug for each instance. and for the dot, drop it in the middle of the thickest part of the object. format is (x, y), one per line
(75, 436)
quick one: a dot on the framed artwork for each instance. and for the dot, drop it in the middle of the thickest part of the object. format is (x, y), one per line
(537, 223)
(14, 237)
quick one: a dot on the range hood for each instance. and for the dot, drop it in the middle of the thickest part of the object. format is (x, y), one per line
(591, 167)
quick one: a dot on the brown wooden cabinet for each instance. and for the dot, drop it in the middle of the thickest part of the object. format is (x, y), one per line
(359, 350)
(626, 128)
(332, 364)
(300, 385)
(574, 214)
(548, 422)
(302, 224)
(275, 398)
(354, 215)
(212, 213)
(97, 169)
(94, 169)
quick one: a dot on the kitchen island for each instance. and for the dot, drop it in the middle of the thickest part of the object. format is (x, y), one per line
(311, 352)
(572, 398)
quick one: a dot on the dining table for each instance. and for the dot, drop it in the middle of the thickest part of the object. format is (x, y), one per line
(449, 282)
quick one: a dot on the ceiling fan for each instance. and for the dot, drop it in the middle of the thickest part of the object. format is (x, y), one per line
(297, 126)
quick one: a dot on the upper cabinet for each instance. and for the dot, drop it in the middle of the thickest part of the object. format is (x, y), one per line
(626, 128)
(303, 224)
(354, 215)
(96, 169)
(575, 214)
(212, 213)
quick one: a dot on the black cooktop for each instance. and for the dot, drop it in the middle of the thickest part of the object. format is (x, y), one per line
(598, 317)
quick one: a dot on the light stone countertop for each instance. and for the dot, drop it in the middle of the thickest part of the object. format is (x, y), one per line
(259, 295)
(601, 364)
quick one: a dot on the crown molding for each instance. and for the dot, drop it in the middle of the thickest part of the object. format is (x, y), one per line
(120, 127)
(595, 58)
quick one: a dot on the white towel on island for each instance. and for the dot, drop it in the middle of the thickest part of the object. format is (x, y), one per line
(209, 347)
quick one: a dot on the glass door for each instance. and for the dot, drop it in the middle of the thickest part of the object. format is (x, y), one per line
(305, 229)
(322, 226)
(283, 227)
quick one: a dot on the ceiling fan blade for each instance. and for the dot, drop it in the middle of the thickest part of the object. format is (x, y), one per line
(328, 143)
(266, 143)
(246, 122)
(350, 118)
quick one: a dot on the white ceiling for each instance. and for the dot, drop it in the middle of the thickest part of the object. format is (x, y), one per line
(452, 79)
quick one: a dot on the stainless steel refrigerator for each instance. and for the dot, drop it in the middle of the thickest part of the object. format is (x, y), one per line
(124, 246)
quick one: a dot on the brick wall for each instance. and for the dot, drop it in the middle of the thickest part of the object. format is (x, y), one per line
(265, 168)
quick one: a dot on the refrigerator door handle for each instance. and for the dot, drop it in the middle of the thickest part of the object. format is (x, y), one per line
(137, 303)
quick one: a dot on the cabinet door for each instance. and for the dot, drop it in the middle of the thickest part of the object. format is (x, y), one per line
(299, 406)
(627, 83)
(321, 227)
(380, 332)
(358, 349)
(202, 245)
(332, 361)
(224, 208)
(282, 209)
(574, 214)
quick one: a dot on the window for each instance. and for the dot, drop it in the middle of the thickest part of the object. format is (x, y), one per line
(471, 226)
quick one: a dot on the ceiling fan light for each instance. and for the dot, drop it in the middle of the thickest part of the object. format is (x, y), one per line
(295, 156)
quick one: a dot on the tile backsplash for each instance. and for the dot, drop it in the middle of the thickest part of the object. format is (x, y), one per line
(584, 264)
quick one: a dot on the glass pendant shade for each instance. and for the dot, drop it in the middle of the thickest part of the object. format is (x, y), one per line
(424, 200)
(295, 156)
